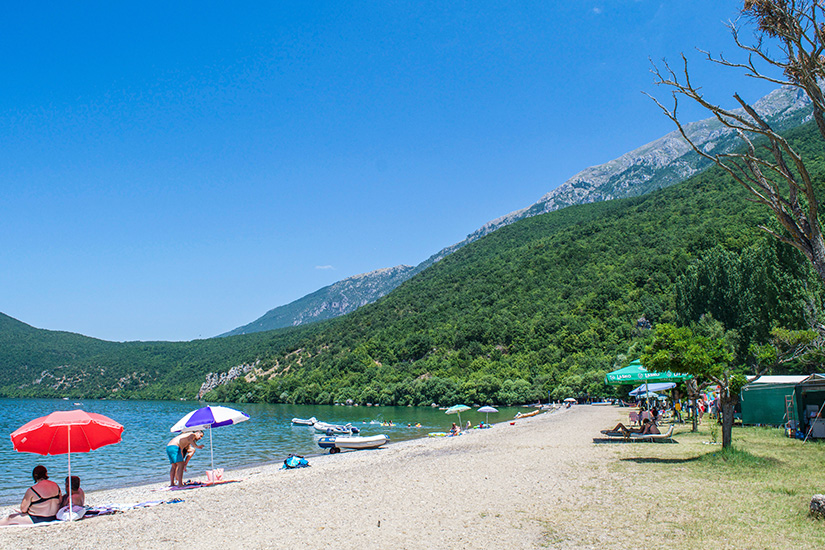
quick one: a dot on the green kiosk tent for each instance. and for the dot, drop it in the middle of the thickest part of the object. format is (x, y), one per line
(763, 401)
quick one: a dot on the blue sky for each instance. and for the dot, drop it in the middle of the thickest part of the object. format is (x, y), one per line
(170, 171)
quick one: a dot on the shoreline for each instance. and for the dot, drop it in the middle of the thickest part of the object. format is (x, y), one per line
(144, 487)
(502, 487)
(129, 486)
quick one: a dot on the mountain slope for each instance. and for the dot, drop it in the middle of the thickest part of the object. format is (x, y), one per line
(331, 301)
(546, 304)
(656, 165)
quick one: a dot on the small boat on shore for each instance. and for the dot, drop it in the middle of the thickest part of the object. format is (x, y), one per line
(335, 429)
(304, 421)
(336, 443)
(527, 415)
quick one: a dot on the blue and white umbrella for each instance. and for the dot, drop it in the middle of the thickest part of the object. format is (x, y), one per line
(655, 387)
(488, 409)
(207, 418)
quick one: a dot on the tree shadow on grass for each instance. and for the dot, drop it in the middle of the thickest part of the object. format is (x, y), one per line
(657, 460)
(723, 457)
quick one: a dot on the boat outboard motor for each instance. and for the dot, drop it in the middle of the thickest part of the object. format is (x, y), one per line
(329, 431)
(355, 430)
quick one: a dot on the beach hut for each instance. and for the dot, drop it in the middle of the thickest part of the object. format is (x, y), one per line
(763, 401)
(810, 403)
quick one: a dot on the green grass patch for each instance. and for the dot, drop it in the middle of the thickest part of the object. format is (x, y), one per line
(753, 495)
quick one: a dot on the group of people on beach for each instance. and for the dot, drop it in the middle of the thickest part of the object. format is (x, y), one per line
(43, 501)
(456, 429)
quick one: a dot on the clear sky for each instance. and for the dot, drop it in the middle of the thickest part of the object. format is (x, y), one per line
(173, 170)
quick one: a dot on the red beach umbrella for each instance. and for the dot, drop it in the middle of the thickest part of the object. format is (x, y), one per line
(66, 432)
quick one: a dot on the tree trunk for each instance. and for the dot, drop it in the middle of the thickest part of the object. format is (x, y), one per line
(727, 419)
(695, 427)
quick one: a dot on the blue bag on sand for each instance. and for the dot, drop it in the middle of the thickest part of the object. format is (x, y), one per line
(295, 461)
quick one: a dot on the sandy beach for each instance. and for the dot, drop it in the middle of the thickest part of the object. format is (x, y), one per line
(512, 486)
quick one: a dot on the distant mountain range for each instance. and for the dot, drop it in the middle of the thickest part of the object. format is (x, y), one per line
(331, 301)
(661, 163)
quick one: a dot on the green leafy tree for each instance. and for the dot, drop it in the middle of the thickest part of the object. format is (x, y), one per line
(704, 351)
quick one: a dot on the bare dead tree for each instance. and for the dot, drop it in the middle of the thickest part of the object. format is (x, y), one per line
(779, 179)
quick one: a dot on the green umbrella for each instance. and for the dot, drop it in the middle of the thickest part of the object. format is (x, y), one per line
(635, 372)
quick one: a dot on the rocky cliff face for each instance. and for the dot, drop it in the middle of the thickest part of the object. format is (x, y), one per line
(661, 163)
(331, 301)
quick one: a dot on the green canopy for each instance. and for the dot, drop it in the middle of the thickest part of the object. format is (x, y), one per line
(635, 372)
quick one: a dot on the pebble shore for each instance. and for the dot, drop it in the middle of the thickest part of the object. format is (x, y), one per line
(506, 487)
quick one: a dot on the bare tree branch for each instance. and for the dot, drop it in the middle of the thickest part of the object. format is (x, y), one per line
(780, 179)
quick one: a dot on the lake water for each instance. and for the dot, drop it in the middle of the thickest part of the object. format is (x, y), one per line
(268, 436)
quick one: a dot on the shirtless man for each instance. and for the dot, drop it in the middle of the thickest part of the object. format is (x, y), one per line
(40, 503)
(179, 451)
(78, 495)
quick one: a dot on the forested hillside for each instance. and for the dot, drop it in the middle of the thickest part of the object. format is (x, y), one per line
(546, 305)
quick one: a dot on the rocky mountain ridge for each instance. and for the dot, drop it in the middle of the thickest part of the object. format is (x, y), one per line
(331, 301)
(666, 161)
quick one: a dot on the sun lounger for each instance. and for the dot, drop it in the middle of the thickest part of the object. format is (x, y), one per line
(614, 433)
(654, 437)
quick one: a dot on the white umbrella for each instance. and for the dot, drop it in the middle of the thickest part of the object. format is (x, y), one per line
(655, 387)
(207, 418)
(457, 409)
(648, 395)
(487, 409)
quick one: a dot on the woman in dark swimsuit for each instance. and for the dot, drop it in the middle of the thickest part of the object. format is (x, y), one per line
(40, 503)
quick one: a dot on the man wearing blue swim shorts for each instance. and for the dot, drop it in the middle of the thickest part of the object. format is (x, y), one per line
(179, 451)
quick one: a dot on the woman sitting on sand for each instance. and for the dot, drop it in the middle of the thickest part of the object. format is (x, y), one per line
(455, 430)
(78, 496)
(40, 503)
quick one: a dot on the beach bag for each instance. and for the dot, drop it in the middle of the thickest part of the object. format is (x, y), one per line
(214, 476)
(295, 461)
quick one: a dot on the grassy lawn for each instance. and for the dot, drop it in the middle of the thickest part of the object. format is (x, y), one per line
(691, 494)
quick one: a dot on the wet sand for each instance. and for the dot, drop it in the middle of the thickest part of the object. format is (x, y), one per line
(506, 487)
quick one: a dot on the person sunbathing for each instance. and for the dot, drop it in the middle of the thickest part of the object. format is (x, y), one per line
(40, 503)
(78, 496)
(646, 428)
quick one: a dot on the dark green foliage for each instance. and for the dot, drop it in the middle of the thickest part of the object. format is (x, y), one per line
(543, 306)
(767, 284)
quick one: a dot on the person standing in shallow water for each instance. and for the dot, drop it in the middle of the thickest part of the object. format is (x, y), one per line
(179, 451)
(40, 503)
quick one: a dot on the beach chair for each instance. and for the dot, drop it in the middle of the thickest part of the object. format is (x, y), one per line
(646, 414)
(634, 417)
(654, 437)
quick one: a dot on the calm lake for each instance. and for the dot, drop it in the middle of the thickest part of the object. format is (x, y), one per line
(268, 436)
